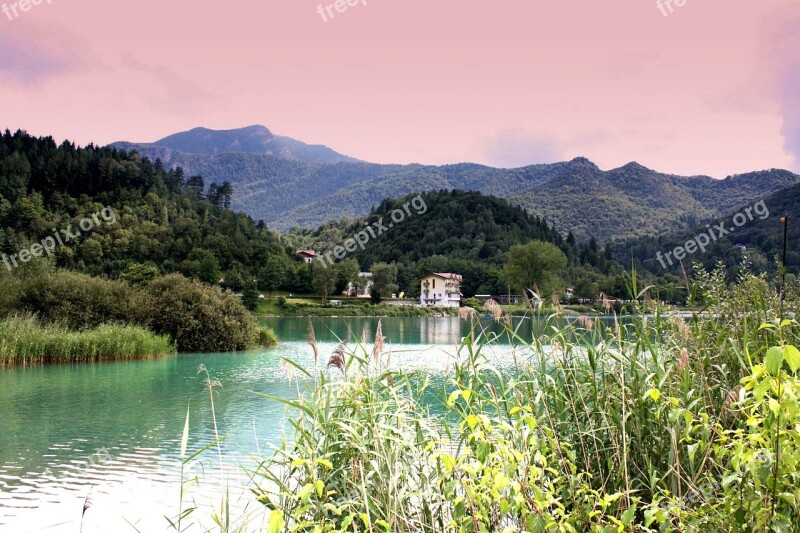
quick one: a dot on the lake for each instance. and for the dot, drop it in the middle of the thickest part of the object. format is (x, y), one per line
(112, 431)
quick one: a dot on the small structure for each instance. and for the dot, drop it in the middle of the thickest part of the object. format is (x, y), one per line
(441, 290)
(308, 256)
(364, 288)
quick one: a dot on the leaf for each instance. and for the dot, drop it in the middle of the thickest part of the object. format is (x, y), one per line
(792, 356)
(629, 515)
(654, 394)
(774, 360)
(451, 401)
(185, 438)
(276, 522)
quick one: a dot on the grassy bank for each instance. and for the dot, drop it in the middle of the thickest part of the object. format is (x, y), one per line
(24, 340)
(659, 424)
(274, 308)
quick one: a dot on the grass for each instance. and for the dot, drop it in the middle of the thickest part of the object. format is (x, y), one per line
(657, 424)
(24, 341)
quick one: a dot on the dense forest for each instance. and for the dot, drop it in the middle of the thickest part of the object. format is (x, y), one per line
(466, 233)
(164, 221)
(759, 240)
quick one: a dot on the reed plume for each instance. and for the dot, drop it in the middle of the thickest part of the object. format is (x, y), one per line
(683, 363)
(586, 322)
(467, 312)
(605, 301)
(312, 341)
(337, 359)
(377, 349)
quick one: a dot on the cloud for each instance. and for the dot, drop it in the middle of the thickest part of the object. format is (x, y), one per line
(781, 55)
(174, 94)
(29, 60)
(514, 148)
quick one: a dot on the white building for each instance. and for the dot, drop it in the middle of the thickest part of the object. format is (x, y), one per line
(441, 290)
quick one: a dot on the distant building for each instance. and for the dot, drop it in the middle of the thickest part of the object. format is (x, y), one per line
(365, 287)
(441, 290)
(308, 256)
(742, 247)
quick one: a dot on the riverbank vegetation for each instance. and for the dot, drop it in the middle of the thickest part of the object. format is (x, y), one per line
(25, 341)
(196, 317)
(652, 424)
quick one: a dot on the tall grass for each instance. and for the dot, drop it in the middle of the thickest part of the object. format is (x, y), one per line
(639, 425)
(24, 340)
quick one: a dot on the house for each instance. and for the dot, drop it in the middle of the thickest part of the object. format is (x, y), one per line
(308, 256)
(364, 289)
(441, 290)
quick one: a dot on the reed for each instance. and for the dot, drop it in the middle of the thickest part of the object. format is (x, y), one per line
(25, 341)
(638, 425)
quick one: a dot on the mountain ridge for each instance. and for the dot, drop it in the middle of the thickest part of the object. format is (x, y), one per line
(611, 205)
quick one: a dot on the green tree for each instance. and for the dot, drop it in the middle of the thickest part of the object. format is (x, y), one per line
(384, 281)
(275, 273)
(250, 295)
(534, 265)
(346, 273)
(203, 265)
(323, 279)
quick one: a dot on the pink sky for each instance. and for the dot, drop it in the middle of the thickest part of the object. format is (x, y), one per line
(713, 88)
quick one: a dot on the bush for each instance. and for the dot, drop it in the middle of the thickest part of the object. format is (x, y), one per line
(79, 301)
(197, 317)
(200, 318)
(267, 338)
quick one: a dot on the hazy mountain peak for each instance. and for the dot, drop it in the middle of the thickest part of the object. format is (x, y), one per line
(256, 139)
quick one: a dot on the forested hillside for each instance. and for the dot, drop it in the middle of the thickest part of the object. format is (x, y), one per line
(462, 232)
(760, 240)
(164, 221)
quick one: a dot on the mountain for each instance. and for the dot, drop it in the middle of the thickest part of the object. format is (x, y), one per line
(759, 237)
(249, 140)
(623, 203)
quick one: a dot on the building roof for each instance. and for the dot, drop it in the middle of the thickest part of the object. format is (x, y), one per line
(447, 275)
(309, 253)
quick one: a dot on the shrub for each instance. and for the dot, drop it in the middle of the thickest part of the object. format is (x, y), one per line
(199, 318)
(79, 301)
(267, 338)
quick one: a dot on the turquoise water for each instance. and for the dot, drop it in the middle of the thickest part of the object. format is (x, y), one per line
(111, 431)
